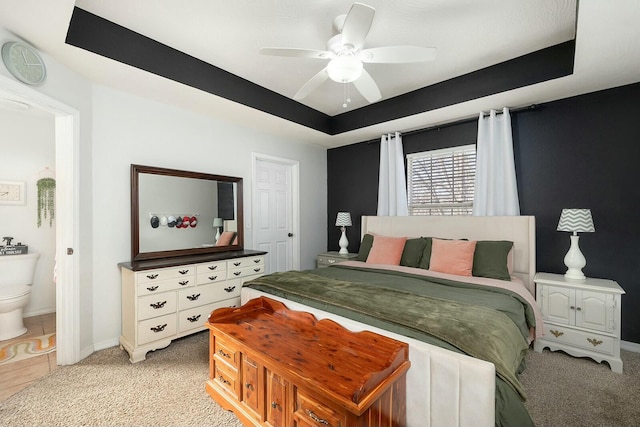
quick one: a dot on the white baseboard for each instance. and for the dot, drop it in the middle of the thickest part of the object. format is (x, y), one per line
(630, 346)
(106, 344)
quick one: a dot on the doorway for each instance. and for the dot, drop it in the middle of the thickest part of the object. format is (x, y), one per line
(275, 201)
(67, 229)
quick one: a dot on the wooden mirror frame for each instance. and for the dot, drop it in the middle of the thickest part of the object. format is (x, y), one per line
(136, 255)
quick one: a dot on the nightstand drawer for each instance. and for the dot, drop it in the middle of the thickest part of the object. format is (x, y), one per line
(574, 338)
(329, 258)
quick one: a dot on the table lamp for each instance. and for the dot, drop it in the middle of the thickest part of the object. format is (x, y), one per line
(575, 221)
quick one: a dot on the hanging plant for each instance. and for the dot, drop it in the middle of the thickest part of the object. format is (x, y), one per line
(46, 199)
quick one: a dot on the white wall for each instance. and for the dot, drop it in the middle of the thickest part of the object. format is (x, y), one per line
(128, 129)
(27, 146)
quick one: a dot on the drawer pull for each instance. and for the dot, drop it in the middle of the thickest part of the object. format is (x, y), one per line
(158, 305)
(249, 386)
(256, 260)
(158, 328)
(222, 380)
(594, 342)
(316, 418)
(213, 277)
(183, 283)
(556, 333)
(193, 297)
(183, 271)
(213, 267)
(331, 261)
(193, 318)
(274, 405)
(223, 354)
(237, 273)
(257, 270)
(152, 288)
(230, 288)
(151, 276)
(237, 264)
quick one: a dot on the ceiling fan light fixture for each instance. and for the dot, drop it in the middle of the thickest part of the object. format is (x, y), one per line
(344, 69)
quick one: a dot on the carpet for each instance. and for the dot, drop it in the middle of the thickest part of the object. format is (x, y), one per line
(26, 348)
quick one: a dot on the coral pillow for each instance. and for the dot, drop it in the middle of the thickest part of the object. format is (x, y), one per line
(386, 250)
(452, 256)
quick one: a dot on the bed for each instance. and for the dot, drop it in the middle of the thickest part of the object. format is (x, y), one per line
(445, 385)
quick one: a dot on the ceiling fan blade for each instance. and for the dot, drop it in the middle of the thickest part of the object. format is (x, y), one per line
(312, 84)
(398, 54)
(296, 53)
(367, 87)
(357, 25)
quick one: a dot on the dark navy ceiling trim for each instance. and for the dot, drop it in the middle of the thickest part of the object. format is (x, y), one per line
(98, 35)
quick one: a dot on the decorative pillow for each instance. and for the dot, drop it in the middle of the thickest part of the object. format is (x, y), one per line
(365, 247)
(412, 253)
(426, 254)
(452, 256)
(491, 259)
(225, 238)
(386, 250)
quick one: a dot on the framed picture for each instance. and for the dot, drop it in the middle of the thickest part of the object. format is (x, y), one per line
(12, 193)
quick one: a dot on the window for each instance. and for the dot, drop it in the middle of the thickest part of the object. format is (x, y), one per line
(440, 182)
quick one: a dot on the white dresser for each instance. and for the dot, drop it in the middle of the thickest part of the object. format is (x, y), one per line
(163, 300)
(581, 317)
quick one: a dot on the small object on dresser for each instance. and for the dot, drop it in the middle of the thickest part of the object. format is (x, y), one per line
(343, 220)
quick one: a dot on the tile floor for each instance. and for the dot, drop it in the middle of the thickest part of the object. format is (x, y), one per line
(18, 375)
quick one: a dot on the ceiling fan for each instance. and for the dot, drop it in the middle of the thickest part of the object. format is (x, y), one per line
(346, 54)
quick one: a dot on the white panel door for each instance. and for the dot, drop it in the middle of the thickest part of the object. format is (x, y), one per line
(273, 225)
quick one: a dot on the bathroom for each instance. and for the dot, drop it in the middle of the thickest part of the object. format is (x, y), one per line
(27, 145)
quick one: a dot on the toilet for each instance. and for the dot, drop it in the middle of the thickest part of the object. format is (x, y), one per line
(16, 277)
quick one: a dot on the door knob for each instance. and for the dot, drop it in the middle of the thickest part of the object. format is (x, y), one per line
(290, 234)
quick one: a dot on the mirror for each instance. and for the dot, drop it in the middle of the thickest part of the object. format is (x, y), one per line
(177, 213)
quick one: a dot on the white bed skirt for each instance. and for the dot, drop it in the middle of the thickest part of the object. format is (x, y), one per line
(444, 388)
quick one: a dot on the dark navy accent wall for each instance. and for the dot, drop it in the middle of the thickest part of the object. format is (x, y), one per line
(580, 152)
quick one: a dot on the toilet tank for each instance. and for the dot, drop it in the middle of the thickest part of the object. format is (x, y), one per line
(18, 269)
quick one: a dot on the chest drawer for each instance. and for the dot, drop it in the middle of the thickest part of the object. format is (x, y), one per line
(197, 317)
(165, 274)
(310, 412)
(156, 305)
(206, 294)
(225, 353)
(156, 328)
(227, 380)
(149, 288)
(587, 340)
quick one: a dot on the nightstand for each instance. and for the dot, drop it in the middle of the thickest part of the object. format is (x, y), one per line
(581, 317)
(326, 259)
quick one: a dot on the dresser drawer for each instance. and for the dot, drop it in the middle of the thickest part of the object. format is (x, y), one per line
(238, 273)
(226, 353)
(310, 412)
(156, 328)
(245, 262)
(206, 294)
(210, 277)
(165, 274)
(197, 317)
(586, 340)
(156, 305)
(149, 288)
(226, 380)
(211, 267)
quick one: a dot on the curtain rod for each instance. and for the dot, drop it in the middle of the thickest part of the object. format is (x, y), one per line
(532, 107)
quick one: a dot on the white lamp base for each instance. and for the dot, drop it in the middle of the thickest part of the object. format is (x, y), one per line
(574, 260)
(217, 233)
(344, 243)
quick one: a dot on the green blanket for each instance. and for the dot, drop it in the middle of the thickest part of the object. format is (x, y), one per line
(478, 331)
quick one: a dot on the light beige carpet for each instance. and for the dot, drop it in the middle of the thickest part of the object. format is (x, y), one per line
(26, 348)
(167, 389)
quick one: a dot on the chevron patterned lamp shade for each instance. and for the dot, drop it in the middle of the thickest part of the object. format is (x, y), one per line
(575, 221)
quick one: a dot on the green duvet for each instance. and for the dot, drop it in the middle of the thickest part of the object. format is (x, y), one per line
(486, 323)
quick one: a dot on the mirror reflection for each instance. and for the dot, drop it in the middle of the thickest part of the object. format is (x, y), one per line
(181, 213)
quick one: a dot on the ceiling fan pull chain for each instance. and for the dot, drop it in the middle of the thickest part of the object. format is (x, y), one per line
(347, 97)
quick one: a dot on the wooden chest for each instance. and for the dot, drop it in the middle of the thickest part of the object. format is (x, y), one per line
(277, 367)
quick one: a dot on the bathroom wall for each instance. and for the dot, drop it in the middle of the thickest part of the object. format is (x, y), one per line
(27, 148)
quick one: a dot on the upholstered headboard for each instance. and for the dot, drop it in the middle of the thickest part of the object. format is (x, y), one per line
(521, 230)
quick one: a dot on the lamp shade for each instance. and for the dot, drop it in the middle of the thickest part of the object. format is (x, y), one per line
(344, 69)
(343, 219)
(217, 222)
(576, 220)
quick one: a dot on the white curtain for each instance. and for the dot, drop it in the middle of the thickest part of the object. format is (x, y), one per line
(392, 187)
(496, 192)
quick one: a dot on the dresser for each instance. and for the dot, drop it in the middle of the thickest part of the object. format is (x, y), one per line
(277, 367)
(581, 317)
(170, 298)
(326, 259)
